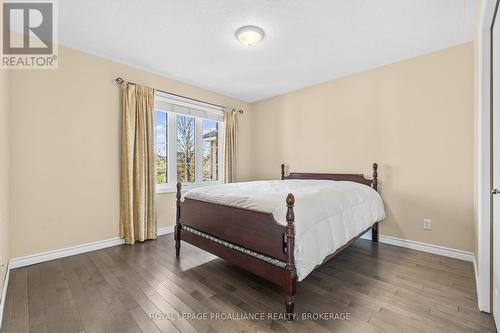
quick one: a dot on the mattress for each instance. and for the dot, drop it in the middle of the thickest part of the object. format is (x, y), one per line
(328, 214)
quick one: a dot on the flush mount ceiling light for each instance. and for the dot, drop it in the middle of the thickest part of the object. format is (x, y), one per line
(249, 35)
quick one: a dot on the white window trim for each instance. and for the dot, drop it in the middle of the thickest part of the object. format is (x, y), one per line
(189, 103)
(171, 185)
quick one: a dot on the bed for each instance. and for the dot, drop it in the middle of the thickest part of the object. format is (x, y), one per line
(280, 230)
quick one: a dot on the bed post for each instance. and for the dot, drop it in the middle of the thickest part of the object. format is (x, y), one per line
(291, 278)
(282, 172)
(177, 231)
(375, 187)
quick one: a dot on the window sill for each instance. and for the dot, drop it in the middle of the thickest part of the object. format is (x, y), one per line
(185, 187)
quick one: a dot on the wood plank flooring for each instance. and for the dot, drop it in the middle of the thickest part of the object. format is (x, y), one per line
(383, 289)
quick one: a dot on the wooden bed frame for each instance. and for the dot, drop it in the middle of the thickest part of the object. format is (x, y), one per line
(251, 239)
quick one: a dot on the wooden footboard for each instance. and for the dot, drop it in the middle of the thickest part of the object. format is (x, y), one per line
(240, 226)
(250, 239)
(247, 238)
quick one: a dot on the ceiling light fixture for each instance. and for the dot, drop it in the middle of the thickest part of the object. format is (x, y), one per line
(249, 35)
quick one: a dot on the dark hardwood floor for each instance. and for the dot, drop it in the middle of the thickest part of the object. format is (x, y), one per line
(383, 289)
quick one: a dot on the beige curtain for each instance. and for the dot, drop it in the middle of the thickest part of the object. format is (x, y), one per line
(137, 209)
(231, 121)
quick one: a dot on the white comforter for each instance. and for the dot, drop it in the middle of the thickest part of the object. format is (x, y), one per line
(327, 213)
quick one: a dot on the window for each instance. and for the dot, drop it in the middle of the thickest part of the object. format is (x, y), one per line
(188, 142)
(161, 147)
(185, 149)
(210, 150)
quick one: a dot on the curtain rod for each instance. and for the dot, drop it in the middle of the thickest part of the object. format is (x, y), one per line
(120, 81)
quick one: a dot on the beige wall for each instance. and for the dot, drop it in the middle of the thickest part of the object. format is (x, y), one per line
(413, 117)
(4, 175)
(65, 152)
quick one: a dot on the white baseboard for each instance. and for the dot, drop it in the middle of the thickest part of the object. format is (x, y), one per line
(61, 253)
(70, 251)
(424, 247)
(166, 230)
(430, 248)
(4, 293)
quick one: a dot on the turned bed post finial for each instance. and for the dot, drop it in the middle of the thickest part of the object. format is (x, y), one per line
(290, 232)
(375, 187)
(282, 171)
(177, 233)
(290, 260)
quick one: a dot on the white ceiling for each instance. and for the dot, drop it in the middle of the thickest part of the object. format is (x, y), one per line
(307, 41)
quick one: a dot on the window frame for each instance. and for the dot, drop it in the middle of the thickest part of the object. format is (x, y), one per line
(170, 185)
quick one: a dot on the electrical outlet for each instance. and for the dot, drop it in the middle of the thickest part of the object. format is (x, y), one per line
(427, 224)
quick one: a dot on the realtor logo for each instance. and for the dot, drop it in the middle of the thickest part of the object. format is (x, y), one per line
(29, 35)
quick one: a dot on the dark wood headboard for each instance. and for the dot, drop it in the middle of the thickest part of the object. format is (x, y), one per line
(358, 178)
